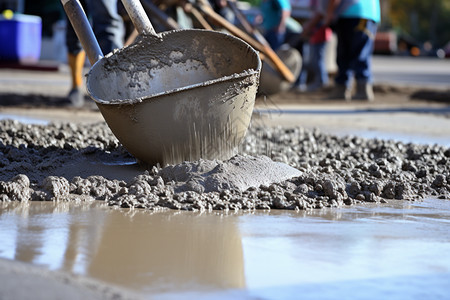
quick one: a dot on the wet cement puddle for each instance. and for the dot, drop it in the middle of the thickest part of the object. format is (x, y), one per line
(397, 249)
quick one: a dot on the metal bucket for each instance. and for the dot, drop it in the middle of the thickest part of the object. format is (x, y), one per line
(182, 97)
(176, 96)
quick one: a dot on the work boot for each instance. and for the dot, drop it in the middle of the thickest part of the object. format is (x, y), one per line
(364, 91)
(340, 92)
(76, 64)
(76, 97)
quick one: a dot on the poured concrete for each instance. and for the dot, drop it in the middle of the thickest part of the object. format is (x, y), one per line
(363, 248)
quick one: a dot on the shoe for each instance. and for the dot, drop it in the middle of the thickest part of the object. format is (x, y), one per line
(340, 92)
(76, 97)
(301, 88)
(364, 91)
(316, 87)
(76, 63)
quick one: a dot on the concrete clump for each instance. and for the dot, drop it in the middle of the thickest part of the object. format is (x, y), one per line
(279, 168)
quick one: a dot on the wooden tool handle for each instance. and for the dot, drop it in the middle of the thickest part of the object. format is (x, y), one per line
(266, 50)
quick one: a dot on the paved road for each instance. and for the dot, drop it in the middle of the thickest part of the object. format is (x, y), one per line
(416, 71)
(423, 72)
(424, 124)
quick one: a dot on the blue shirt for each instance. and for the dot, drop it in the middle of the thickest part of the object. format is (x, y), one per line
(271, 11)
(363, 9)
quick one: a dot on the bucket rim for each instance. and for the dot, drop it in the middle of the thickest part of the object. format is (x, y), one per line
(245, 73)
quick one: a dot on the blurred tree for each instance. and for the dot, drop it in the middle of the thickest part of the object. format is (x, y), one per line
(425, 21)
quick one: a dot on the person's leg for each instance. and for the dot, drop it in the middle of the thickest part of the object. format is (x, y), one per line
(76, 64)
(321, 64)
(364, 37)
(303, 77)
(75, 58)
(344, 29)
(274, 38)
(107, 24)
(318, 66)
(342, 89)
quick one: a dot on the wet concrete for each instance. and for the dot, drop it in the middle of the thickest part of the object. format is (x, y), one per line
(56, 163)
(369, 250)
(396, 249)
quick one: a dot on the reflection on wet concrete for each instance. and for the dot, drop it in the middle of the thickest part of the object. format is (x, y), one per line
(368, 250)
(167, 250)
(149, 253)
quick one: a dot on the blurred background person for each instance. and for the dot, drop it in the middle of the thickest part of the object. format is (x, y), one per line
(109, 30)
(275, 14)
(316, 35)
(355, 23)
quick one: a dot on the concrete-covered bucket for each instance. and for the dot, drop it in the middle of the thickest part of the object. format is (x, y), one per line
(183, 95)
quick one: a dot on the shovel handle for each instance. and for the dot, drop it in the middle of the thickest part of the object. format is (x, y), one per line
(139, 17)
(155, 12)
(83, 29)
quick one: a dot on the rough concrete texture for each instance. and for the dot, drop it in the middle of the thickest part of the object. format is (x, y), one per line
(36, 160)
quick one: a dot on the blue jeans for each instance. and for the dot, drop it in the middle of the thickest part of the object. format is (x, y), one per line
(107, 25)
(314, 61)
(355, 46)
(275, 38)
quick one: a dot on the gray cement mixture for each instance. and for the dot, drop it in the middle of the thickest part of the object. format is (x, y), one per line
(279, 168)
(239, 173)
